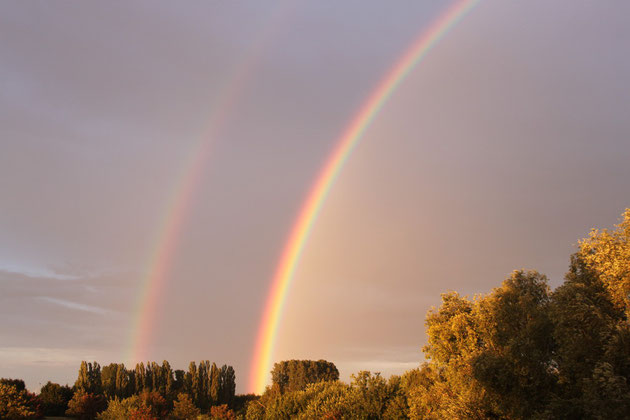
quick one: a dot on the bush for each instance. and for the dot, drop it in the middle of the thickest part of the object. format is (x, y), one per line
(184, 408)
(85, 406)
(17, 404)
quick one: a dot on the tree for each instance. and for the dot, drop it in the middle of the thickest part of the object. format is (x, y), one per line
(228, 385)
(124, 382)
(55, 398)
(108, 380)
(84, 405)
(139, 378)
(372, 394)
(222, 412)
(192, 382)
(155, 403)
(17, 383)
(204, 399)
(606, 395)
(183, 408)
(167, 374)
(295, 375)
(454, 340)
(16, 403)
(331, 400)
(89, 379)
(608, 254)
(118, 409)
(515, 360)
(494, 354)
(142, 413)
(215, 384)
(423, 388)
(591, 330)
(179, 384)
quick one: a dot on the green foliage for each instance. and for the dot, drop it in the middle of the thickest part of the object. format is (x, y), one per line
(16, 402)
(55, 398)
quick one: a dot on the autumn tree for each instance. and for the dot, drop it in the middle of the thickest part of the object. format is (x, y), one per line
(591, 331)
(222, 412)
(120, 409)
(84, 405)
(155, 403)
(16, 402)
(184, 408)
(608, 254)
(17, 383)
(372, 394)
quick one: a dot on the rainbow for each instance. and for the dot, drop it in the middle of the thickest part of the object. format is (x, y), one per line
(178, 206)
(268, 330)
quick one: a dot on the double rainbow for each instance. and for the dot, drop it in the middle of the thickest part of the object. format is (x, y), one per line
(268, 330)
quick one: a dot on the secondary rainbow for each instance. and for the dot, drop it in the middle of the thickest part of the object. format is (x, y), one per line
(268, 330)
(181, 200)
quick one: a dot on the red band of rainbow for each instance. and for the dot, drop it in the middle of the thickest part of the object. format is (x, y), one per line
(268, 330)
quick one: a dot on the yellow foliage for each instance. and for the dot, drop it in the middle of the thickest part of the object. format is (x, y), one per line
(608, 254)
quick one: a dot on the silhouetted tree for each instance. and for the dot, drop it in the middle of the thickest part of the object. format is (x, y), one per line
(55, 398)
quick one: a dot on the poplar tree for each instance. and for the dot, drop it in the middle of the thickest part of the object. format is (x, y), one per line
(192, 378)
(167, 373)
(228, 385)
(203, 399)
(215, 384)
(139, 378)
(89, 379)
(122, 382)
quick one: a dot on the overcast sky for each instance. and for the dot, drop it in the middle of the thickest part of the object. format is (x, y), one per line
(499, 151)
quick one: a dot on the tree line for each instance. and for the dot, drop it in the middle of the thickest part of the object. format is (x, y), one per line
(521, 351)
(115, 392)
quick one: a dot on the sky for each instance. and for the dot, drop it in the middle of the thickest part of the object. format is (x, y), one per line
(501, 149)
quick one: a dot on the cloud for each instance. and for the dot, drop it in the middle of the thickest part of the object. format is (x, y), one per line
(74, 305)
(48, 311)
(35, 272)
